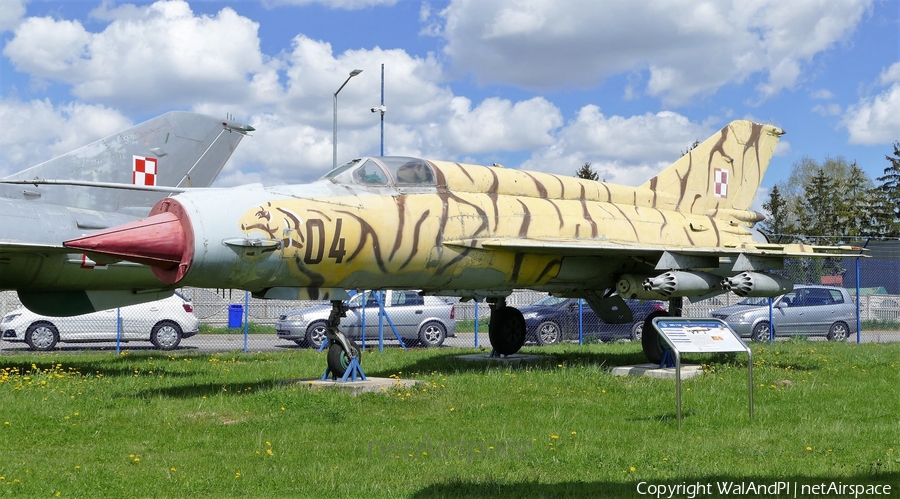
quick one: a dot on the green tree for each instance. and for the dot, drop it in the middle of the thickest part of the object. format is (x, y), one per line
(890, 188)
(818, 209)
(777, 223)
(587, 172)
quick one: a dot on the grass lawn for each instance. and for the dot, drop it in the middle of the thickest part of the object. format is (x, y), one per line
(233, 425)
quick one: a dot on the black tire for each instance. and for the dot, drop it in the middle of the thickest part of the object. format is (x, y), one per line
(166, 335)
(839, 331)
(548, 333)
(432, 334)
(506, 330)
(339, 360)
(42, 336)
(761, 332)
(637, 331)
(315, 335)
(653, 346)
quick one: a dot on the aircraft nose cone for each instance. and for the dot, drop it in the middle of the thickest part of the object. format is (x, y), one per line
(162, 241)
(157, 241)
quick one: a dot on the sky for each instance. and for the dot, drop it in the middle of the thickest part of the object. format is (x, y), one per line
(546, 85)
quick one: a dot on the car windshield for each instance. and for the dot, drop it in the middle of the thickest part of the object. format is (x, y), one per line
(549, 301)
(754, 301)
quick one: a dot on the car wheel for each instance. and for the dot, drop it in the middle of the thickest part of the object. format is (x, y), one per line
(548, 333)
(637, 331)
(838, 332)
(652, 345)
(42, 336)
(166, 335)
(761, 332)
(315, 335)
(432, 334)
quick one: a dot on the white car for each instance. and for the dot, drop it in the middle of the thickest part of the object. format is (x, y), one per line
(163, 323)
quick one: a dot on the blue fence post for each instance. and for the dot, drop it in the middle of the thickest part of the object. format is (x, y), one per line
(118, 331)
(858, 307)
(476, 323)
(362, 320)
(246, 319)
(380, 298)
(771, 323)
(580, 321)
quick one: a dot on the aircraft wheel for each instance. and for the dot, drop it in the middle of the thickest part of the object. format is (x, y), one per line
(507, 330)
(42, 336)
(339, 360)
(166, 335)
(838, 332)
(315, 335)
(652, 344)
(548, 333)
(761, 332)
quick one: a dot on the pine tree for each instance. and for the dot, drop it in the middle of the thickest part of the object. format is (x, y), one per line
(777, 223)
(586, 172)
(890, 187)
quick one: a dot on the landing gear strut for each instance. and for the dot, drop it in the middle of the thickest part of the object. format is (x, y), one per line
(341, 349)
(506, 329)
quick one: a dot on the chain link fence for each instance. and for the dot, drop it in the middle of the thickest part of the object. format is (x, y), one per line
(841, 298)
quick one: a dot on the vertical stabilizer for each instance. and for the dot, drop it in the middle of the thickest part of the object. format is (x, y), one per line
(722, 173)
(176, 149)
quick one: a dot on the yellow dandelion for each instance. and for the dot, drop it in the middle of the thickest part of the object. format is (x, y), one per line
(554, 436)
(172, 469)
(633, 469)
(574, 433)
(808, 448)
(269, 452)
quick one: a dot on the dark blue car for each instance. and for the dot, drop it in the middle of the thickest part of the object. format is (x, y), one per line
(551, 320)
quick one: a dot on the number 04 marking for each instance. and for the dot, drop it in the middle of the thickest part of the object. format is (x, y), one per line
(315, 242)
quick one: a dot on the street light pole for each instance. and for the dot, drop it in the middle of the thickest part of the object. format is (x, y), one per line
(334, 134)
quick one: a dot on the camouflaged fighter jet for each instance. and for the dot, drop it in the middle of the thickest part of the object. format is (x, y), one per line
(103, 184)
(476, 232)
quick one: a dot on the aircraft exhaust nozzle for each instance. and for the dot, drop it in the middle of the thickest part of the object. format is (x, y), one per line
(757, 284)
(163, 241)
(677, 283)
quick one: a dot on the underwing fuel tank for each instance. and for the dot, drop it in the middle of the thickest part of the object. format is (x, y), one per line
(757, 284)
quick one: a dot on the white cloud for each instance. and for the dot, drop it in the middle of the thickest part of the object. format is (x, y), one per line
(827, 109)
(689, 48)
(624, 150)
(11, 13)
(875, 120)
(147, 57)
(36, 131)
(890, 75)
(334, 4)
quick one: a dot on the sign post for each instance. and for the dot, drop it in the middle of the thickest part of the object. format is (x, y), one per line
(701, 336)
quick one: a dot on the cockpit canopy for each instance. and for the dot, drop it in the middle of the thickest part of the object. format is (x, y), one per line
(384, 170)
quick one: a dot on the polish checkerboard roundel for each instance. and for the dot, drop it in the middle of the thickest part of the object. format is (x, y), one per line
(144, 171)
(721, 179)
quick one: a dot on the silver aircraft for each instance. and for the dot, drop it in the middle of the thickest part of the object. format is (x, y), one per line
(103, 184)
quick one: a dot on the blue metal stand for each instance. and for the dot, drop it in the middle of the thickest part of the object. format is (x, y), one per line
(353, 370)
(668, 360)
(495, 355)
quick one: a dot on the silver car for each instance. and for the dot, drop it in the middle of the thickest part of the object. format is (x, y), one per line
(163, 323)
(425, 320)
(806, 311)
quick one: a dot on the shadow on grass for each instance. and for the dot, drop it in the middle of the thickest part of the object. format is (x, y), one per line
(709, 486)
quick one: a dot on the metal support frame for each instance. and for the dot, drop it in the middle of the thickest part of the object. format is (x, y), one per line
(353, 371)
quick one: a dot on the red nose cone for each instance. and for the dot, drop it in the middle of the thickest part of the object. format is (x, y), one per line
(163, 241)
(157, 241)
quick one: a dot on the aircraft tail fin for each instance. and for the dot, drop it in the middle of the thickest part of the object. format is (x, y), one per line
(179, 149)
(721, 173)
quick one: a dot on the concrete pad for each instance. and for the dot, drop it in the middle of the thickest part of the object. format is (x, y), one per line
(371, 384)
(516, 358)
(653, 370)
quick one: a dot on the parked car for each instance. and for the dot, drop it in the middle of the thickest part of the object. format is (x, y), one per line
(807, 310)
(163, 323)
(551, 320)
(425, 320)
